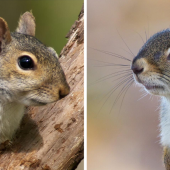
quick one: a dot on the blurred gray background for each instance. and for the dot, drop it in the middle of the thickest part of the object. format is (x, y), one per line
(54, 19)
(122, 137)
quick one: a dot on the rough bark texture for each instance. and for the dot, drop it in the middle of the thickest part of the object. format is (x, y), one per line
(51, 137)
(167, 158)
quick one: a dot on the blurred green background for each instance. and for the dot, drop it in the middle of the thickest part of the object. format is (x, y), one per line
(54, 18)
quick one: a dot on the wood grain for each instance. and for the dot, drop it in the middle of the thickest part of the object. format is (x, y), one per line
(51, 137)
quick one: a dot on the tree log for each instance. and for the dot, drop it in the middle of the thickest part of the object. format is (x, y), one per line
(51, 137)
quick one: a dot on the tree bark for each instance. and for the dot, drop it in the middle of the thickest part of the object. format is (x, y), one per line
(51, 137)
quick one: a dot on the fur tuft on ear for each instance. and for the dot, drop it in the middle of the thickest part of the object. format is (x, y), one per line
(5, 36)
(26, 24)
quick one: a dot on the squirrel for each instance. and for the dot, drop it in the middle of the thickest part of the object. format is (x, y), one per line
(30, 74)
(151, 69)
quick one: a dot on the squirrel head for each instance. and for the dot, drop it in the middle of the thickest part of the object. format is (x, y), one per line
(151, 66)
(30, 72)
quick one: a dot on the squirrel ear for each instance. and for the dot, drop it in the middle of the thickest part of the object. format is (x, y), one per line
(26, 24)
(5, 36)
(53, 52)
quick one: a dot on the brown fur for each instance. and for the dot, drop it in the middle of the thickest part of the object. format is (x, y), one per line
(30, 74)
(151, 68)
(46, 79)
(26, 24)
(167, 158)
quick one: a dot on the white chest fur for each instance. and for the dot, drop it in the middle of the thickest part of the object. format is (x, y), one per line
(165, 121)
(10, 118)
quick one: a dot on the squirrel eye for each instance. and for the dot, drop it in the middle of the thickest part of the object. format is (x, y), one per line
(25, 62)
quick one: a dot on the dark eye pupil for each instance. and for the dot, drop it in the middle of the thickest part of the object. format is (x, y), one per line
(26, 62)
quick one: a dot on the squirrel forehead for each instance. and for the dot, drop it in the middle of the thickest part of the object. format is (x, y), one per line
(159, 42)
(31, 44)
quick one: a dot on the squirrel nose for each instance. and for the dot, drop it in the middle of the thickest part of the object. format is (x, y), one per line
(64, 91)
(137, 69)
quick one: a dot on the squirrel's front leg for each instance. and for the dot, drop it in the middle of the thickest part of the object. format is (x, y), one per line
(167, 158)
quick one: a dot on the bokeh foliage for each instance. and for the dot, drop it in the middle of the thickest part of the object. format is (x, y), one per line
(54, 18)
